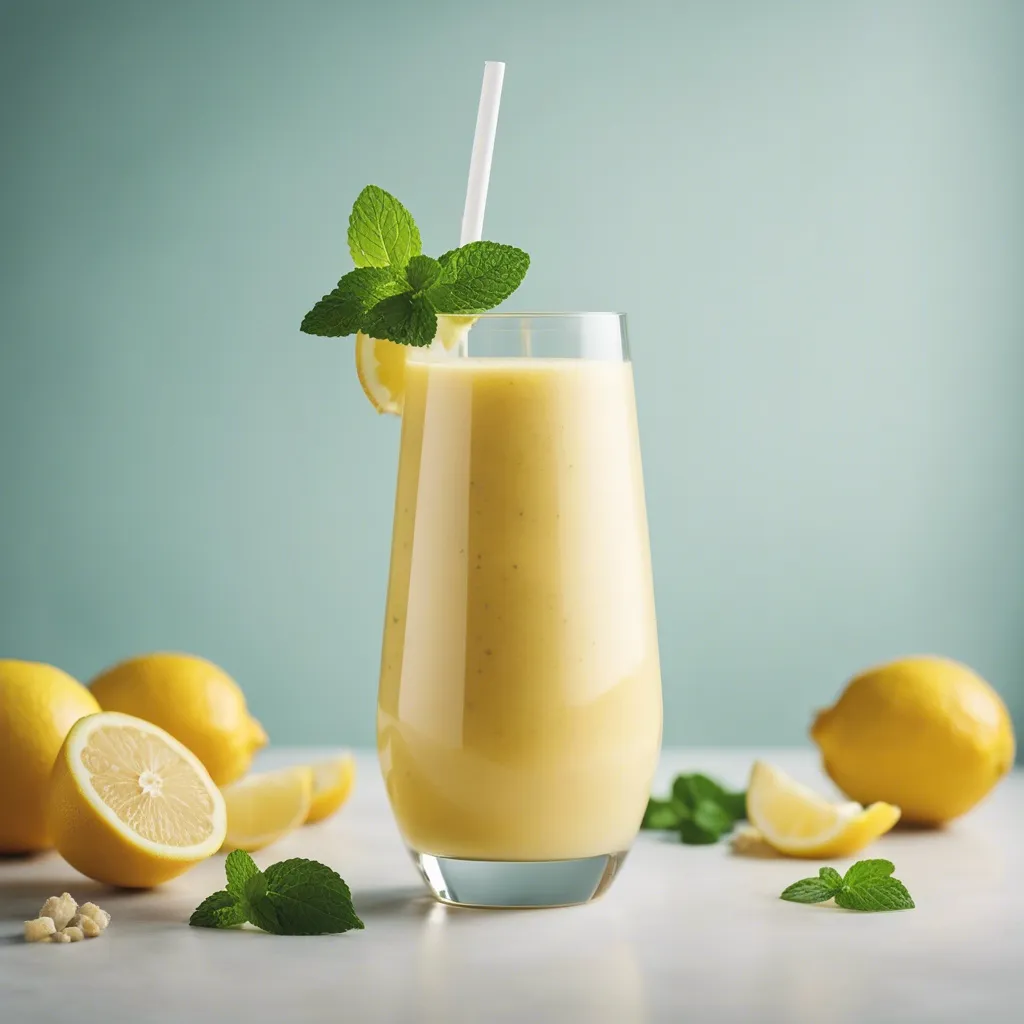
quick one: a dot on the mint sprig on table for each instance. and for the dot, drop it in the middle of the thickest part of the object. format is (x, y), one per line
(396, 292)
(700, 809)
(868, 885)
(292, 897)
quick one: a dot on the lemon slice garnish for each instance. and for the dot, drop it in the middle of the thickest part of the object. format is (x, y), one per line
(380, 365)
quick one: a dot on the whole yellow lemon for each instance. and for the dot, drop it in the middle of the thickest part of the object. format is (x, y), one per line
(924, 733)
(198, 703)
(38, 706)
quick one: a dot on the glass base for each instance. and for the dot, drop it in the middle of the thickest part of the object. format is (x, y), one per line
(516, 883)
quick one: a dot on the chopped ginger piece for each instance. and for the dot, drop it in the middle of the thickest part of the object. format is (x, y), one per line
(90, 927)
(60, 909)
(101, 917)
(39, 930)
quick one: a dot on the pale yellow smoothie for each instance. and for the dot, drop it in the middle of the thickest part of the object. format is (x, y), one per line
(520, 691)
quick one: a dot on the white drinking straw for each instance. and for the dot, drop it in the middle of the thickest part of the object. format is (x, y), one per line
(483, 150)
(480, 163)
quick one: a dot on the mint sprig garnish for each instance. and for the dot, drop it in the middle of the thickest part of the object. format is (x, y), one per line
(700, 809)
(867, 886)
(396, 292)
(292, 897)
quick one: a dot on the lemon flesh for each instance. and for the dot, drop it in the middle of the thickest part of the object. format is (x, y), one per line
(380, 365)
(925, 733)
(131, 806)
(38, 706)
(332, 785)
(797, 821)
(265, 806)
(194, 700)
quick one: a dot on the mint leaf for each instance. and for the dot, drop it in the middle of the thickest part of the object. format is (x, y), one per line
(477, 276)
(303, 897)
(405, 318)
(255, 887)
(221, 910)
(705, 824)
(712, 817)
(334, 316)
(867, 885)
(293, 897)
(735, 803)
(381, 231)
(808, 890)
(696, 835)
(263, 912)
(661, 814)
(239, 867)
(875, 894)
(691, 789)
(683, 793)
(701, 809)
(831, 878)
(342, 311)
(422, 272)
(868, 870)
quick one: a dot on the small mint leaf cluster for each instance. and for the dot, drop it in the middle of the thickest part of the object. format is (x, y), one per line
(396, 292)
(292, 897)
(700, 809)
(868, 885)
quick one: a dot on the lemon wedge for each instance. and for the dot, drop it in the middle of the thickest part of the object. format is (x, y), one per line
(380, 365)
(797, 821)
(131, 806)
(332, 784)
(265, 806)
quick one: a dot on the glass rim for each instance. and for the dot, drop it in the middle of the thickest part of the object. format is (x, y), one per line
(533, 314)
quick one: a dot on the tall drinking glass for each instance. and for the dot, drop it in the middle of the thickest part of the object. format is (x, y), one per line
(519, 716)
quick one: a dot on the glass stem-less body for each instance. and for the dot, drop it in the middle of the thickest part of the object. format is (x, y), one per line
(520, 693)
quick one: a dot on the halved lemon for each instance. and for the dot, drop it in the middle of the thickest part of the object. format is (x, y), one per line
(332, 784)
(265, 806)
(797, 821)
(380, 365)
(129, 805)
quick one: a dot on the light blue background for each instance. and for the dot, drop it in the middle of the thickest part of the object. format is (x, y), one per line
(812, 211)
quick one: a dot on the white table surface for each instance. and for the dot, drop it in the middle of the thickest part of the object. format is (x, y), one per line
(685, 933)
